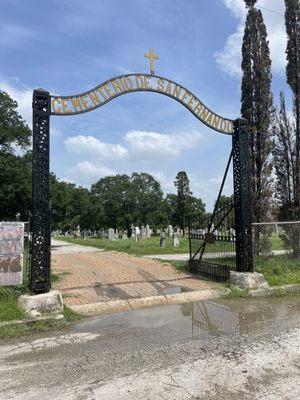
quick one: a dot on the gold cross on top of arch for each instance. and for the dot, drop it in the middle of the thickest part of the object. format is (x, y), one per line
(152, 57)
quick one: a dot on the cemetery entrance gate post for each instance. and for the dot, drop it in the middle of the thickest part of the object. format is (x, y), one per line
(44, 105)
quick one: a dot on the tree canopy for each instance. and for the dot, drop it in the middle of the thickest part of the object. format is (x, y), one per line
(15, 161)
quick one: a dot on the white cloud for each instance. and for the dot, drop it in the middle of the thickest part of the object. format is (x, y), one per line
(229, 58)
(144, 142)
(136, 143)
(136, 153)
(85, 173)
(89, 145)
(23, 96)
(167, 183)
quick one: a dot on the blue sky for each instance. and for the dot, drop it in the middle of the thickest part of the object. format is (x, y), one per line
(68, 47)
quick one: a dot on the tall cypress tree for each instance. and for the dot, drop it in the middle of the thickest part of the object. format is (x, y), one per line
(292, 22)
(184, 194)
(284, 161)
(257, 108)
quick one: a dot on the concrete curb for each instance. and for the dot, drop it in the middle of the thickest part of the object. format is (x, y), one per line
(285, 289)
(115, 306)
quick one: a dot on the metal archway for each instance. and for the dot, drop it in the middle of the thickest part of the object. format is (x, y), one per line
(44, 105)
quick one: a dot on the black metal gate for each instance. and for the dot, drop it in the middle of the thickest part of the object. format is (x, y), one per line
(223, 241)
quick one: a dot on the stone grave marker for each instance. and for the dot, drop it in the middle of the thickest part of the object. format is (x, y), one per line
(148, 231)
(162, 242)
(176, 242)
(170, 230)
(111, 234)
(143, 231)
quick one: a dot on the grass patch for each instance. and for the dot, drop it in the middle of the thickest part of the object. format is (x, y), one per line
(237, 293)
(71, 316)
(17, 331)
(55, 277)
(151, 246)
(142, 247)
(279, 270)
(180, 266)
(9, 308)
(10, 311)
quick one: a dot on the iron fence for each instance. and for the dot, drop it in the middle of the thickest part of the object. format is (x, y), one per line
(276, 244)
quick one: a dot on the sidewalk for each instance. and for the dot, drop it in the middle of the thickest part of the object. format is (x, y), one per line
(186, 256)
(93, 281)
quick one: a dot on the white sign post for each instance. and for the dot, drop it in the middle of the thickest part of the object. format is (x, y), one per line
(11, 253)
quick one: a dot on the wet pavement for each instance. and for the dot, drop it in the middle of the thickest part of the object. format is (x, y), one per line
(217, 349)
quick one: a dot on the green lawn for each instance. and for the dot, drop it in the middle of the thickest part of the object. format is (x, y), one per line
(9, 309)
(151, 245)
(142, 247)
(279, 270)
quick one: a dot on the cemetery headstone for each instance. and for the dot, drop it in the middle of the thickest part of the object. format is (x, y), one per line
(11, 253)
(162, 242)
(137, 233)
(148, 231)
(176, 242)
(111, 234)
(170, 230)
(143, 231)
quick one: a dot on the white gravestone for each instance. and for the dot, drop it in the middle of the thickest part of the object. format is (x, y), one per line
(11, 253)
(176, 242)
(148, 231)
(143, 231)
(111, 234)
(137, 233)
(170, 230)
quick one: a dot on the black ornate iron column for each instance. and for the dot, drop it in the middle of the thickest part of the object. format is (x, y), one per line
(242, 196)
(40, 251)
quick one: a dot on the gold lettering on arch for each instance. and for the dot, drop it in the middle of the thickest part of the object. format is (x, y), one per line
(68, 105)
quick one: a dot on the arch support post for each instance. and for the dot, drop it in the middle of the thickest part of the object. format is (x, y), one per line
(242, 196)
(40, 218)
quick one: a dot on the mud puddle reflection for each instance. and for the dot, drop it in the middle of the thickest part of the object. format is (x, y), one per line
(213, 317)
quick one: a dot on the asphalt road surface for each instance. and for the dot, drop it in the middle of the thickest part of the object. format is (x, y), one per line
(223, 349)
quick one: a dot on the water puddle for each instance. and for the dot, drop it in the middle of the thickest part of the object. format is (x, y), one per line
(175, 289)
(204, 318)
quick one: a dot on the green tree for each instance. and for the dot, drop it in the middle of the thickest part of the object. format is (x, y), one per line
(131, 200)
(118, 200)
(15, 187)
(184, 194)
(148, 199)
(196, 209)
(257, 108)
(170, 205)
(292, 22)
(285, 162)
(13, 130)
(73, 206)
(224, 201)
(15, 161)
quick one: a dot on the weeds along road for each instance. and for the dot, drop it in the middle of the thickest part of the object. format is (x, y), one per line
(224, 349)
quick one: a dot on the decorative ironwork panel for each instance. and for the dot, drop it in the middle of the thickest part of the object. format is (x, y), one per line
(242, 196)
(41, 236)
(225, 241)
